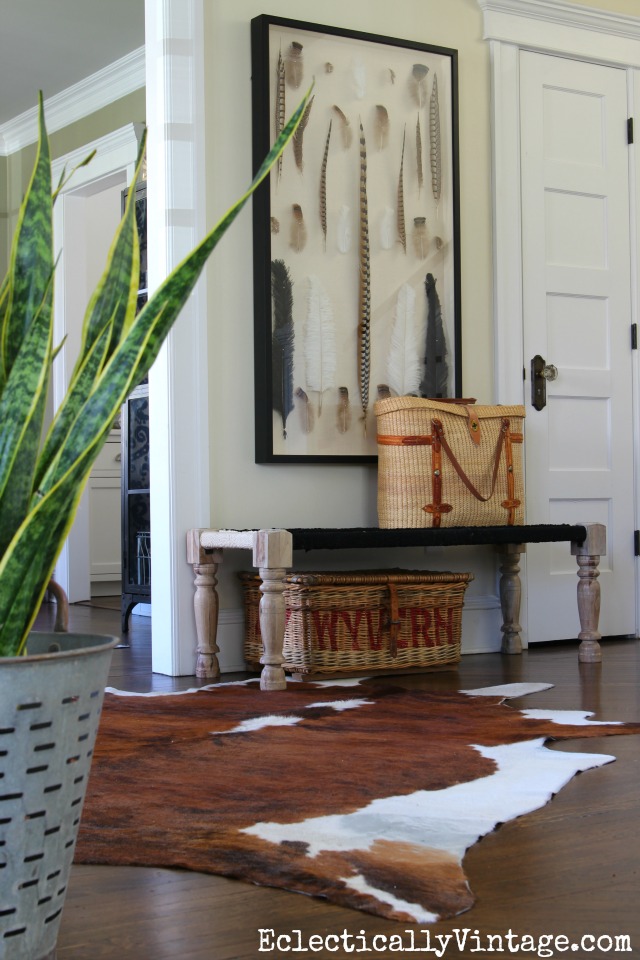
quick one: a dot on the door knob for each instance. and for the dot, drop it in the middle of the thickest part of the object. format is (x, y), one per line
(541, 372)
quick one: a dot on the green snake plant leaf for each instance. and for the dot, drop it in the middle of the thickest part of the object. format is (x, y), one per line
(26, 346)
(118, 348)
(31, 256)
(33, 555)
(111, 308)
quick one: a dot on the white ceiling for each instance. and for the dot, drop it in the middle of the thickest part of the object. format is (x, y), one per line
(50, 45)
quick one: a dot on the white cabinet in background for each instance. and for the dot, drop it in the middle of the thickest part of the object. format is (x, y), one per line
(104, 518)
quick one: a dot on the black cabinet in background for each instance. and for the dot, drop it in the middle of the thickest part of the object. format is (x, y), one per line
(136, 512)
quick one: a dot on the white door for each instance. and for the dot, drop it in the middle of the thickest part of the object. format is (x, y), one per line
(577, 316)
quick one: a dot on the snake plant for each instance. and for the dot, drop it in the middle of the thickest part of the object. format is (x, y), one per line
(42, 476)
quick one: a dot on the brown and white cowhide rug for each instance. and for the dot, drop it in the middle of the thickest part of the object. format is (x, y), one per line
(365, 794)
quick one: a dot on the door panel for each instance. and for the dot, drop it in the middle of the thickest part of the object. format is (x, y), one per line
(577, 315)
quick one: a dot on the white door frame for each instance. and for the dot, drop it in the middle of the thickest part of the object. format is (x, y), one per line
(115, 156)
(563, 29)
(178, 381)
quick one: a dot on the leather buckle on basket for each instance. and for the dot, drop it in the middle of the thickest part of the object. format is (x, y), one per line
(473, 425)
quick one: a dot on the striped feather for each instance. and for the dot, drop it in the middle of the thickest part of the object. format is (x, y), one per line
(364, 298)
(323, 188)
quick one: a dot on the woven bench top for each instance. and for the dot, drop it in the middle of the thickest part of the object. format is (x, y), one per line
(326, 538)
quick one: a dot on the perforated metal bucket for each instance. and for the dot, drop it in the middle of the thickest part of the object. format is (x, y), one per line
(50, 703)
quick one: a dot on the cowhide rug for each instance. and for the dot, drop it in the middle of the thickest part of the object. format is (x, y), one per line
(365, 794)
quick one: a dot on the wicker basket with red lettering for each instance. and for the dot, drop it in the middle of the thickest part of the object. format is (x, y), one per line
(355, 622)
(449, 464)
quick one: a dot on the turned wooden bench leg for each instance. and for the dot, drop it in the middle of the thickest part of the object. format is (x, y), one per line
(510, 596)
(272, 555)
(205, 605)
(588, 556)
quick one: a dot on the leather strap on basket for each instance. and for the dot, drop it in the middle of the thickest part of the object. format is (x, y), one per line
(394, 620)
(439, 442)
(437, 508)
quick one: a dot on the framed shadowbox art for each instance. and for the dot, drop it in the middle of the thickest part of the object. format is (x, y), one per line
(356, 236)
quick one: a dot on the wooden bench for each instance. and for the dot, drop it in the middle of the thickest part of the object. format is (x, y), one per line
(273, 555)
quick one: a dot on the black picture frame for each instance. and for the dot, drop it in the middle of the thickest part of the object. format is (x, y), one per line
(309, 256)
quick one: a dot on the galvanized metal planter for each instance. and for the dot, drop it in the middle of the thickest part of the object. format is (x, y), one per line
(50, 704)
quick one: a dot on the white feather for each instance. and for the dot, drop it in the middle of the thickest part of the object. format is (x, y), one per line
(404, 367)
(387, 234)
(359, 75)
(343, 229)
(320, 340)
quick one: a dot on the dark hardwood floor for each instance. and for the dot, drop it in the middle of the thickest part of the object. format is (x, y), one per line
(570, 869)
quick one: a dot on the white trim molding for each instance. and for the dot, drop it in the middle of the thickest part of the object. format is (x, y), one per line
(114, 151)
(113, 82)
(178, 380)
(571, 29)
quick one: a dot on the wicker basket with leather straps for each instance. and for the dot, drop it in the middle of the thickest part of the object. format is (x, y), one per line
(363, 621)
(449, 463)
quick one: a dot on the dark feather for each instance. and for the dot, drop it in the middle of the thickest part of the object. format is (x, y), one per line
(282, 341)
(343, 413)
(436, 371)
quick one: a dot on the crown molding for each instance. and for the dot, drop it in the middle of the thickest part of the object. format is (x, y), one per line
(114, 151)
(567, 14)
(568, 29)
(117, 80)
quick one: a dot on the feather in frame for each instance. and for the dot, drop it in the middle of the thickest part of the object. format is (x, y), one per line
(359, 78)
(364, 298)
(295, 65)
(346, 132)
(305, 411)
(343, 411)
(320, 356)
(419, 81)
(436, 150)
(298, 137)
(404, 363)
(298, 236)
(436, 369)
(282, 341)
(420, 241)
(280, 105)
(382, 126)
(384, 391)
(402, 230)
(419, 167)
(323, 188)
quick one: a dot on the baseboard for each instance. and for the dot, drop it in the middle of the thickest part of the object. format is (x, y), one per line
(106, 588)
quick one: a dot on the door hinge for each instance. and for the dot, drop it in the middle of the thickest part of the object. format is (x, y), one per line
(636, 543)
(634, 336)
(630, 130)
